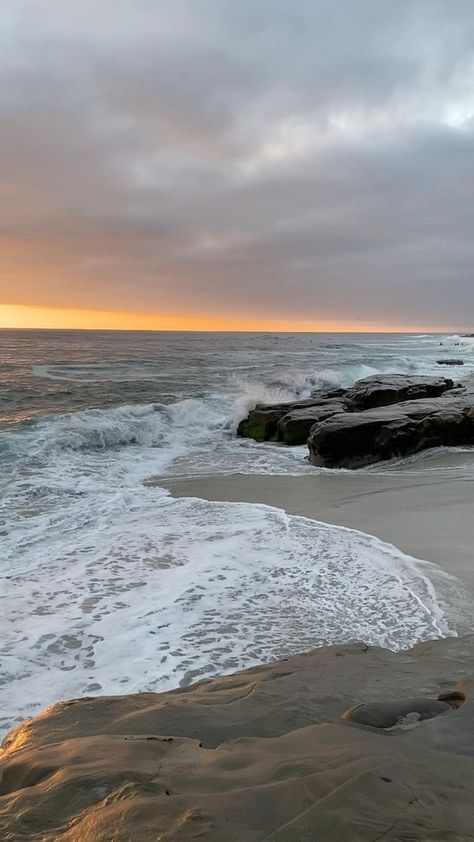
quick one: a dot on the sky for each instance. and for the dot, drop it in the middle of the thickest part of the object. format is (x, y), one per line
(214, 164)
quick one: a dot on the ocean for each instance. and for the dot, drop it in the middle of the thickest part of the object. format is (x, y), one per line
(110, 585)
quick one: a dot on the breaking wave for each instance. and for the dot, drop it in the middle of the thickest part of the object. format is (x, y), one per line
(152, 425)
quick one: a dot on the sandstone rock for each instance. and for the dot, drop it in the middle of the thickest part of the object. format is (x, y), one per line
(392, 713)
(262, 754)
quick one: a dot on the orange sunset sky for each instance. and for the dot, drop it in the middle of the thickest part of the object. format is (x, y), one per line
(256, 166)
(24, 316)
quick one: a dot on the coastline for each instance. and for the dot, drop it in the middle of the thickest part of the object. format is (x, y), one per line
(269, 752)
(425, 513)
(274, 751)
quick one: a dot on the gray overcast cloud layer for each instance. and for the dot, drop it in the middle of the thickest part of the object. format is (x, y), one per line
(256, 158)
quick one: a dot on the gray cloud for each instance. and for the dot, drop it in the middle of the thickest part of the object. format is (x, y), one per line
(250, 159)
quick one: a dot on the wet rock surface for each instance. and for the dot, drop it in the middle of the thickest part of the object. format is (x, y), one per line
(388, 389)
(291, 423)
(352, 440)
(263, 422)
(295, 426)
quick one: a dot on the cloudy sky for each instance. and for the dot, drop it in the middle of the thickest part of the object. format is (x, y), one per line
(302, 161)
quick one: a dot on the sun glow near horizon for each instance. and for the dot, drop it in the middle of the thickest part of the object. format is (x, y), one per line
(24, 316)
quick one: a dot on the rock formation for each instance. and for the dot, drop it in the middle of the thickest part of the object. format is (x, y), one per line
(354, 439)
(291, 423)
(263, 422)
(263, 754)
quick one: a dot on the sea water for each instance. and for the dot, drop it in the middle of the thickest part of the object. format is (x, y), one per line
(110, 585)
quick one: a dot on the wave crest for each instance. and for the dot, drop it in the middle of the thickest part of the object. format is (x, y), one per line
(151, 425)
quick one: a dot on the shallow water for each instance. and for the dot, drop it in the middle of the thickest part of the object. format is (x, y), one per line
(110, 585)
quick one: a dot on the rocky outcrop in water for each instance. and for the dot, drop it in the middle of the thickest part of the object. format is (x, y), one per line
(269, 753)
(263, 423)
(354, 439)
(389, 389)
(291, 423)
(295, 426)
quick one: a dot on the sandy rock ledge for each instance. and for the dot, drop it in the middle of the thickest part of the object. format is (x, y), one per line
(260, 755)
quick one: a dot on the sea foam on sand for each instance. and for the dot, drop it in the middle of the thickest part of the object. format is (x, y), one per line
(192, 589)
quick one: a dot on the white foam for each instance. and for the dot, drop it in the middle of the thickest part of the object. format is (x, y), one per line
(116, 587)
(251, 393)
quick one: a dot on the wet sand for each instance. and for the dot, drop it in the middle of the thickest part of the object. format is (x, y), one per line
(427, 511)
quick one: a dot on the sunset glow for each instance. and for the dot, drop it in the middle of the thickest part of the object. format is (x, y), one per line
(234, 175)
(24, 316)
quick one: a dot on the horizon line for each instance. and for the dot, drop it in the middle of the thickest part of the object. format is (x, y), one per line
(404, 332)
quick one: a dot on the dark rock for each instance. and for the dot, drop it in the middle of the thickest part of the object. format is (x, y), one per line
(450, 362)
(291, 422)
(262, 422)
(352, 440)
(388, 389)
(295, 426)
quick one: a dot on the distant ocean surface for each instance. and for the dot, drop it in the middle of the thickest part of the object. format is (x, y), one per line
(109, 585)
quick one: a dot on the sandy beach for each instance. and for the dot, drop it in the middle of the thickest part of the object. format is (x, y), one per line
(425, 511)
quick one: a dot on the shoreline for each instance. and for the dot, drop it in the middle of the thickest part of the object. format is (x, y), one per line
(424, 513)
(280, 749)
